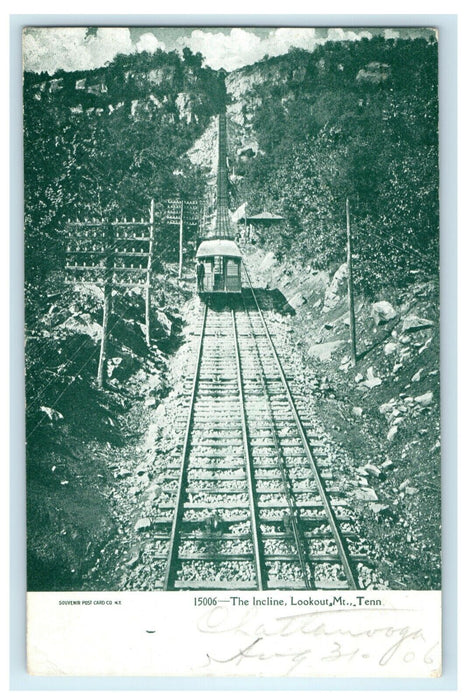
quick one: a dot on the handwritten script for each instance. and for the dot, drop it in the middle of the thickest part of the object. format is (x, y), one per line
(329, 642)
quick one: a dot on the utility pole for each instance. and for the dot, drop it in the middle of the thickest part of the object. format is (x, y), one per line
(148, 274)
(109, 247)
(103, 253)
(353, 340)
(180, 256)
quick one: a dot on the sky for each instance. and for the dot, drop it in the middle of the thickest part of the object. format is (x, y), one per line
(80, 48)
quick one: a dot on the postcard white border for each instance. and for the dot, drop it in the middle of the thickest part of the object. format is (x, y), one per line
(376, 634)
(447, 25)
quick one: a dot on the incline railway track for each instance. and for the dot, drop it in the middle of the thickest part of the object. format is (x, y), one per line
(253, 506)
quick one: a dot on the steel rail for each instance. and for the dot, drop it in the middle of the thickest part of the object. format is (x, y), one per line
(175, 534)
(350, 573)
(280, 462)
(258, 554)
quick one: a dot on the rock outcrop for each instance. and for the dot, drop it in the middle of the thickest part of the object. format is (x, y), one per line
(337, 289)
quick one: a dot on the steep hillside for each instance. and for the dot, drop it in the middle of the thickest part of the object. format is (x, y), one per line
(384, 413)
(353, 120)
(306, 131)
(102, 143)
(348, 120)
(81, 440)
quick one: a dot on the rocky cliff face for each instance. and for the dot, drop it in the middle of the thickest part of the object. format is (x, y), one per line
(157, 83)
(179, 93)
(244, 101)
(274, 72)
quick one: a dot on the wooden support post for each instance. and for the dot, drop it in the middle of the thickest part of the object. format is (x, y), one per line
(148, 274)
(180, 258)
(201, 227)
(353, 339)
(246, 226)
(102, 367)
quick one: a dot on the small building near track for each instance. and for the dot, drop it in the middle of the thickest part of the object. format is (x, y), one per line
(255, 223)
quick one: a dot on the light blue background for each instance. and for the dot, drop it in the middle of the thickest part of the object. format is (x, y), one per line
(447, 25)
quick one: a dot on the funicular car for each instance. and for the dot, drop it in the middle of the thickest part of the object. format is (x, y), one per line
(218, 266)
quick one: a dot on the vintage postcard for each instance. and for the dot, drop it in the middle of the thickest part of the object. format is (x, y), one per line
(232, 351)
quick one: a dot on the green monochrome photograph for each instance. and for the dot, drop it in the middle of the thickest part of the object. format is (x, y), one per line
(232, 308)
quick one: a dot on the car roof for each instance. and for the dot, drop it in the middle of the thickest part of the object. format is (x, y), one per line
(218, 246)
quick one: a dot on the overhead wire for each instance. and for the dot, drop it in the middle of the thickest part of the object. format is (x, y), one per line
(41, 355)
(91, 356)
(405, 250)
(62, 366)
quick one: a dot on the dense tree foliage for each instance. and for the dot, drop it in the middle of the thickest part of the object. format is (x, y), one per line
(102, 143)
(351, 119)
(362, 123)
